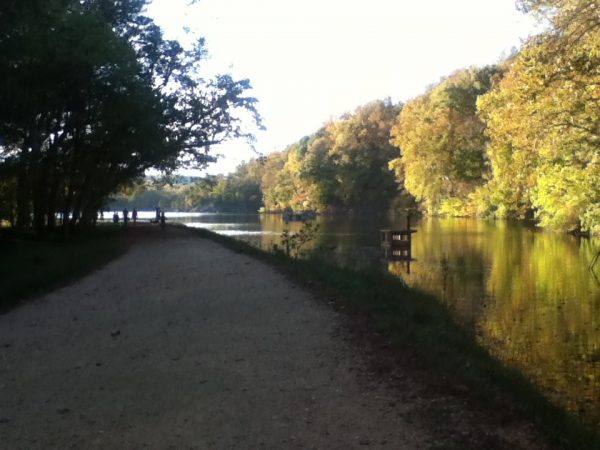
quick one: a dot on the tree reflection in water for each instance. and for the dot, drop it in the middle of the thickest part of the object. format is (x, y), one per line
(528, 295)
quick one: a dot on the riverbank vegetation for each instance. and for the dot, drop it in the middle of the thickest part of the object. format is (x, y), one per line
(419, 328)
(543, 121)
(92, 96)
(519, 140)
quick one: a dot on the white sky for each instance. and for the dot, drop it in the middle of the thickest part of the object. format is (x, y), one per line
(310, 60)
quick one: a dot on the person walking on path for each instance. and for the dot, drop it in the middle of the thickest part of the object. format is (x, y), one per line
(125, 216)
(163, 220)
(134, 215)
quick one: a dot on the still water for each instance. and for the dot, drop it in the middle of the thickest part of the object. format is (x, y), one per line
(527, 294)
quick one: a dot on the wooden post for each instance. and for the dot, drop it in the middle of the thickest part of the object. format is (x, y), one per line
(397, 244)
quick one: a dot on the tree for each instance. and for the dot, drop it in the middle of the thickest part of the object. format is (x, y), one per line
(317, 170)
(275, 184)
(343, 165)
(93, 96)
(544, 121)
(360, 154)
(442, 142)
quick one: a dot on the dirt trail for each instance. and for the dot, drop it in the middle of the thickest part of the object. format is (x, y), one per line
(180, 344)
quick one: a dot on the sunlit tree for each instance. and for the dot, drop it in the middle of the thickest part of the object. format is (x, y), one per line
(544, 121)
(442, 142)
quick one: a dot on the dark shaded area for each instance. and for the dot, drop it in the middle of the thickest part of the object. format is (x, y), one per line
(92, 96)
(32, 265)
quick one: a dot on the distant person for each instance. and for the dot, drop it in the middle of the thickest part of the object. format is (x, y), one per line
(134, 215)
(115, 217)
(125, 216)
(157, 214)
(163, 220)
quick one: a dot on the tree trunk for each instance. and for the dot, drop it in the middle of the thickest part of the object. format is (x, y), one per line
(39, 188)
(23, 189)
(52, 198)
(66, 210)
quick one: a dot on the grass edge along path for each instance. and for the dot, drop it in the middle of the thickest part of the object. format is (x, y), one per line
(32, 266)
(410, 319)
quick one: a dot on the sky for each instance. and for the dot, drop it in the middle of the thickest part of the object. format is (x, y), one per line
(312, 60)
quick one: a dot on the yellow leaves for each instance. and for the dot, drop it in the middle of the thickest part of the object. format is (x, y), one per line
(343, 164)
(561, 196)
(546, 111)
(442, 141)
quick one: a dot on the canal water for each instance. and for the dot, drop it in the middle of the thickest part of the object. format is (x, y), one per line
(527, 294)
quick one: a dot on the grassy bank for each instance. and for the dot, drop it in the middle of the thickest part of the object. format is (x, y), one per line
(414, 322)
(31, 265)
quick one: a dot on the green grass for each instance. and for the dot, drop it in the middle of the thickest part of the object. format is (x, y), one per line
(30, 266)
(419, 323)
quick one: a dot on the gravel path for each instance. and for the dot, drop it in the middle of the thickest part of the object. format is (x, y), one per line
(183, 344)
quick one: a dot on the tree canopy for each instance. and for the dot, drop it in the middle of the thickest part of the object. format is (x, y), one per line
(92, 97)
(443, 146)
(544, 121)
(342, 165)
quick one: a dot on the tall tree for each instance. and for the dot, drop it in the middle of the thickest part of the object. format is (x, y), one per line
(361, 152)
(93, 96)
(544, 121)
(342, 165)
(442, 142)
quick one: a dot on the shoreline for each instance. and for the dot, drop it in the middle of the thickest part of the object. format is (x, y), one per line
(457, 390)
(449, 355)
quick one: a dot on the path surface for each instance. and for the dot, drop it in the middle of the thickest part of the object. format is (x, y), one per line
(183, 344)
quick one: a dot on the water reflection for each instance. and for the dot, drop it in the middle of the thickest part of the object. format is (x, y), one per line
(527, 294)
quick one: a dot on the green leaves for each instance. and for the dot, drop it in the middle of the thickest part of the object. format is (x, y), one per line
(342, 165)
(544, 121)
(442, 142)
(93, 96)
